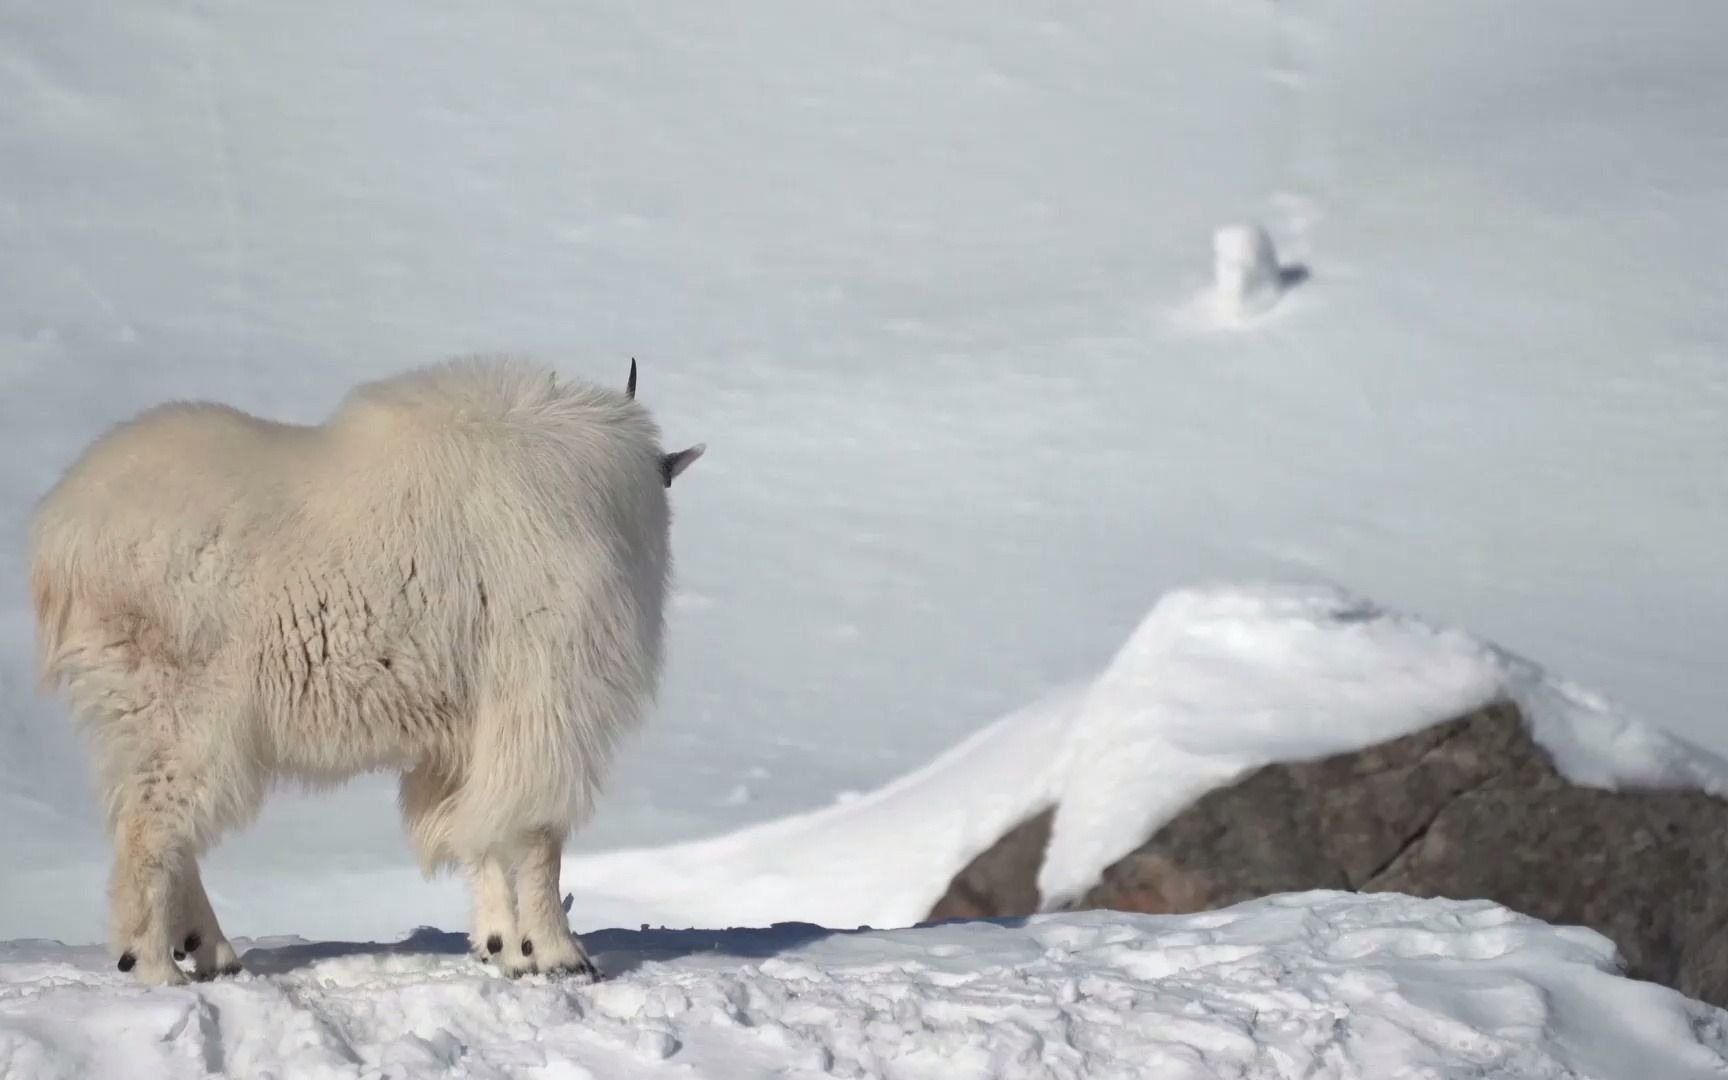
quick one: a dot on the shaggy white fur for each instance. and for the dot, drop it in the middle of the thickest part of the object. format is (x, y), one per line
(460, 575)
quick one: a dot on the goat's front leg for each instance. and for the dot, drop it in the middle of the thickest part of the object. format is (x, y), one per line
(198, 934)
(547, 942)
(492, 933)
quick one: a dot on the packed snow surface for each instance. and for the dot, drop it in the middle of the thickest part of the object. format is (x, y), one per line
(1312, 986)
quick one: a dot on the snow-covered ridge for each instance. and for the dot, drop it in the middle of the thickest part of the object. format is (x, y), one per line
(1318, 985)
(1215, 681)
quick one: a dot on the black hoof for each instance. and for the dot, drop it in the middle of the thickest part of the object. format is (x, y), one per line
(193, 941)
(495, 944)
(127, 960)
(179, 956)
(527, 947)
(581, 969)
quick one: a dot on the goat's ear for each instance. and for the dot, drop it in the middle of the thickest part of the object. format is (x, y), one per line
(630, 387)
(673, 464)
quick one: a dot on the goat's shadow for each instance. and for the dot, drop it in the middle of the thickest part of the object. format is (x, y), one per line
(616, 951)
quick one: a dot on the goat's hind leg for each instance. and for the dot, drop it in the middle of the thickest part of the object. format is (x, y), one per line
(152, 846)
(165, 810)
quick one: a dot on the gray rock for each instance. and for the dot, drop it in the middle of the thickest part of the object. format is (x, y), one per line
(1472, 808)
(1003, 880)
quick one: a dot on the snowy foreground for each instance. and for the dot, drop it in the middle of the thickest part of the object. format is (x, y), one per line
(1315, 985)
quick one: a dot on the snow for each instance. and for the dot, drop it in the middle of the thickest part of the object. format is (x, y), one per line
(1247, 277)
(925, 279)
(1317, 985)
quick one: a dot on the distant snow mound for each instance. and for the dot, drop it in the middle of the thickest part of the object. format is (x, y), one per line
(1246, 277)
(1248, 280)
(1324, 985)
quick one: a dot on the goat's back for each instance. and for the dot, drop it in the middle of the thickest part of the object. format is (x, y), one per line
(529, 516)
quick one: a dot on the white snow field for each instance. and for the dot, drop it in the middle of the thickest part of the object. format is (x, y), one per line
(929, 280)
(1323, 986)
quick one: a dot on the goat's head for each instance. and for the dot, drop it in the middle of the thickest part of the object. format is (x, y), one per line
(670, 464)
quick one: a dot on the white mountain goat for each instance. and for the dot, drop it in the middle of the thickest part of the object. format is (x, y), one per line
(459, 575)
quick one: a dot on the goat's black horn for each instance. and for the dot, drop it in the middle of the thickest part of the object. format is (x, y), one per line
(630, 387)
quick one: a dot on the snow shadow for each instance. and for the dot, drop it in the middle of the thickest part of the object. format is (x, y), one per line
(621, 951)
(616, 951)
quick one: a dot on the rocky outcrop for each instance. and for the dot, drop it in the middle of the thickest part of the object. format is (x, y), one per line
(1003, 880)
(1472, 808)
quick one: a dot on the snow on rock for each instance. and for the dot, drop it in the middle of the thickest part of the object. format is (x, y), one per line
(1216, 681)
(1219, 681)
(1314, 985)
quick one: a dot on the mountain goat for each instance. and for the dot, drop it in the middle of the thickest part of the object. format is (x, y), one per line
(459, 576)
